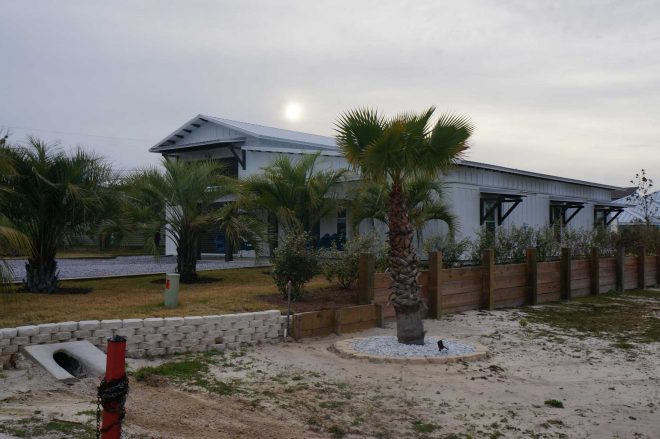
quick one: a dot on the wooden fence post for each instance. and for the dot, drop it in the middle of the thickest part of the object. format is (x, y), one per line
(532, 277)
(336, 323)
(641, 267)
(565, 274)
(595, 271)
(295, 326)
(488, 301)
(380, 315)
(620, 261)
(657, 267)
(435, 300)
(366, 278)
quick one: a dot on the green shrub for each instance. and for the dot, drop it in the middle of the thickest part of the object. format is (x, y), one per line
(631, 237)
(548, 247)
(509, 243)
(453, 252)
(485, 239)
(342, 266)
(383, 258)
(512, 243)
(295, 260)
(579, 241)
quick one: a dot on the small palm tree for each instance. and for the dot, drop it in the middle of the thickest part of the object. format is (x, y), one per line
(391, 152)
(184, 200)
(295, 191)
(425, 203)
(51, 195)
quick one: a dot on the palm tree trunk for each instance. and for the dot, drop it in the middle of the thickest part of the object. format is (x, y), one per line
(41, 275)
(186, 257)
(403, 270)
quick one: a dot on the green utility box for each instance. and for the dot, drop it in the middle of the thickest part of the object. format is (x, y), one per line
(171, 290)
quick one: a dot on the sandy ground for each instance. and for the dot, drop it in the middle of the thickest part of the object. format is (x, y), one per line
(302, 390)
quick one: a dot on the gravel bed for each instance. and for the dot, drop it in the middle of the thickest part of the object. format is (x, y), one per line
(388, 346)
(127, 265)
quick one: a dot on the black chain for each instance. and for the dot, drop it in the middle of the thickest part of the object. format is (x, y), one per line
(112, 397)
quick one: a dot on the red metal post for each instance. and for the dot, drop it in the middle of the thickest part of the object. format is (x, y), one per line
(115, 369)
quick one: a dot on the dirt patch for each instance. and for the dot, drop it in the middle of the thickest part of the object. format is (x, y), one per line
(325, 298)
(541, 380)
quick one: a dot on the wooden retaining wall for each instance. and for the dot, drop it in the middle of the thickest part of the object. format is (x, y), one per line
(450, 290)
(607, 274)
(335, 321)
(512, 285)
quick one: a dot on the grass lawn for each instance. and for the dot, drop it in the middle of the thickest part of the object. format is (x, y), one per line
(224, 291)
(624, 317)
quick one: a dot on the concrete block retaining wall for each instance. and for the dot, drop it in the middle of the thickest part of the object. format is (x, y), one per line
(153, 336)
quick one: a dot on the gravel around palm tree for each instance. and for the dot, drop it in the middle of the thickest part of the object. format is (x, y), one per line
(49, 196)
(391, 151)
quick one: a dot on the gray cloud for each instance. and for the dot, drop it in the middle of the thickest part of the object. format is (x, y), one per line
(570, 88)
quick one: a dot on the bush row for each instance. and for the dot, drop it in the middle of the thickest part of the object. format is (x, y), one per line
(298, 261)
(510, 244)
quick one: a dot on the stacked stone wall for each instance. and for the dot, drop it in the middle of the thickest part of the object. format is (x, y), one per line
(154, 336)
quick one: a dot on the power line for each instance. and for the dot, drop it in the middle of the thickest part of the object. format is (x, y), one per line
(80, 134)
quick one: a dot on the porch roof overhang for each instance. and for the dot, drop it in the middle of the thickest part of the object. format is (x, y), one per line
(565, 206)
(613, 209)
(498, 199)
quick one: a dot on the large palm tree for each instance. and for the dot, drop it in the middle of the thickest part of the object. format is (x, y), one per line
(390, 151)
(11, 240)
(295, 191)
(51, 195)
(184, 199)
(425, 203)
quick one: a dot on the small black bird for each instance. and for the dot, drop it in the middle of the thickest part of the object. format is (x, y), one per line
(441, 345)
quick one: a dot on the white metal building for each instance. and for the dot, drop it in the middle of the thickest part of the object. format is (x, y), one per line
(635, 215)
(479, 194)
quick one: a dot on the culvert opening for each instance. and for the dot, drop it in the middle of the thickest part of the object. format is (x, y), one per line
(70, 364)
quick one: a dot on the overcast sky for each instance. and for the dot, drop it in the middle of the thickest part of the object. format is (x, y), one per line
(570, 88)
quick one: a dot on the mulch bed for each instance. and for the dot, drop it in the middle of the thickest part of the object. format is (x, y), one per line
(328, 298)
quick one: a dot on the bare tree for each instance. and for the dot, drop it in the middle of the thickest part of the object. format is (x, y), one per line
(643, 197)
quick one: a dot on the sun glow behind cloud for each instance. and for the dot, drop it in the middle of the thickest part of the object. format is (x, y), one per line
(293, 111)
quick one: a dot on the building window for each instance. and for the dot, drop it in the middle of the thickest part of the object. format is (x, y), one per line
(341, 224)
(495, 208)
(557, 220)
(600, 218)
(489, 212)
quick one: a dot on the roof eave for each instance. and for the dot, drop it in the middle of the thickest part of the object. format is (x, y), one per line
(514, 171)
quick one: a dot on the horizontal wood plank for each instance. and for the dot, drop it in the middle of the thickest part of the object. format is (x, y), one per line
(549, 267)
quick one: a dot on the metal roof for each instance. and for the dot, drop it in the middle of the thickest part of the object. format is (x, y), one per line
(497, 168)
(635, 214)
(315, 142)
(262, 131)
